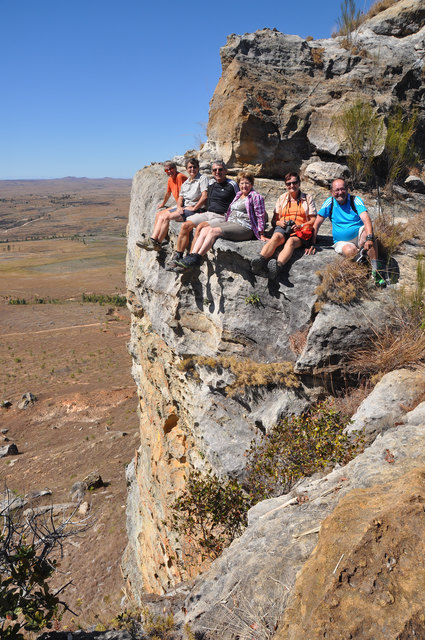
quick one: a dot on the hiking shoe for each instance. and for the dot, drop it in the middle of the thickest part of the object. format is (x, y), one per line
(274, 268)
(177, 255)
(258, 265)
(149, 244)
(192, 260)
(378, 279)
(361, 256)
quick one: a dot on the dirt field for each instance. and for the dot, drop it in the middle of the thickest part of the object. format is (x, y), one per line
(72, 356)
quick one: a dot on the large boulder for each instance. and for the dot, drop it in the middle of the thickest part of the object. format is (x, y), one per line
(271, 120)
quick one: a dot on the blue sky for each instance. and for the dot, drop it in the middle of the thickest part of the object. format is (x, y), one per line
(102, 87)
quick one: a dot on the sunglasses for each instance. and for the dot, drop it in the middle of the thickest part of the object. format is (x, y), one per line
(289, 184)
(218, 170)
(168, 170)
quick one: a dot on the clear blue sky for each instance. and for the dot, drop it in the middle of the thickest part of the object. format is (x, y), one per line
(102, 87)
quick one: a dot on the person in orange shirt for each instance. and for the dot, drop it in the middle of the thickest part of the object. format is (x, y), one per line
(293, 219)
(174, 183)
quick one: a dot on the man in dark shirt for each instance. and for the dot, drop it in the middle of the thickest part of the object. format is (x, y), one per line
(221, 192)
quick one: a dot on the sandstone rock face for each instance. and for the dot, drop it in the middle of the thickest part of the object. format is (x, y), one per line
(255, 579)
(271, 120)
(365, 579)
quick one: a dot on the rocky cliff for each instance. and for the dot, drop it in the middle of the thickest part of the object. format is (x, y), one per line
(275, 104)
(197, 411)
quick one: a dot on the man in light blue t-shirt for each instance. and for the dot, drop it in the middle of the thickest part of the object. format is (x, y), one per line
(351, 227)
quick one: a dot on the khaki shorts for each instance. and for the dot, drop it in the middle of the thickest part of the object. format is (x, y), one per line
(207, 216)
(356, 241)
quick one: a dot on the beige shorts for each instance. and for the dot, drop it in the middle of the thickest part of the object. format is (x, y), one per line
(356, 241)
(207, 216)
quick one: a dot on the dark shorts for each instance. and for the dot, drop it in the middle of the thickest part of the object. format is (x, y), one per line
(234, 231)
(187, 213)
(305, 243)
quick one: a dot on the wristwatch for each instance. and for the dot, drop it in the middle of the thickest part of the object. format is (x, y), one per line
(370, 237)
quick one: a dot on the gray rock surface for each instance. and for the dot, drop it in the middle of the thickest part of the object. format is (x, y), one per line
(9, 450)
(257, 572)
(389, 402)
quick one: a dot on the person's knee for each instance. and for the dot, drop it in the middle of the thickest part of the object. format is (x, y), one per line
(186, 227)
(277, 239)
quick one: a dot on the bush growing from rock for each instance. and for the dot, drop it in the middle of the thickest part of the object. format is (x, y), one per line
(298, 446)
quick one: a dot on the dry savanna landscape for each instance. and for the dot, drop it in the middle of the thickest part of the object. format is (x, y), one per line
(64, 331)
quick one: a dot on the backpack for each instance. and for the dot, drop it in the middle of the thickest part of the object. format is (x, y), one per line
(352, 205)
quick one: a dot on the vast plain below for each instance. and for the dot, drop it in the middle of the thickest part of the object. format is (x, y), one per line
(61, 241)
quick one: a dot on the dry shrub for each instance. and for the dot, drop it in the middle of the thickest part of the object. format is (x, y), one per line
(342, 282)
(400, 345)
(248, 373)
(348, 402)
(379, 6)
(402, 342)
(298, 341)
(317, 56)
(391, 235)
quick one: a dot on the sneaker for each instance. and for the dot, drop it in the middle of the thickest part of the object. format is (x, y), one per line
(361, 256)
(258, 265)
(274, 268)
(378, 279)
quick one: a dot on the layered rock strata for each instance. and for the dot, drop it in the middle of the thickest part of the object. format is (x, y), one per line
(275, 104)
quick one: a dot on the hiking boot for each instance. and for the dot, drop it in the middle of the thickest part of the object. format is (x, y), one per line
(361, 256)
(149, 244)
(378, 279)
(258, 265)
(192, 260)
(274, 268)
(177, 255)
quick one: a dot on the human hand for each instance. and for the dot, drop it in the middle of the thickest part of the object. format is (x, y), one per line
(263, 238)
(310, 250)
(368, 245)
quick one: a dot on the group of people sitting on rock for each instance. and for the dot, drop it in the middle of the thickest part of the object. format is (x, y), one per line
(222, 208)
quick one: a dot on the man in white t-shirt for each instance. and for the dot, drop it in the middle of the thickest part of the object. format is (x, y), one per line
(192, 198)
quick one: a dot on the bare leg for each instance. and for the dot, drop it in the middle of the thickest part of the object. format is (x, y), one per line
(184, 236)
(199, 228)
(206, 239)
(270, 247)
(289, 248)
(162, 224)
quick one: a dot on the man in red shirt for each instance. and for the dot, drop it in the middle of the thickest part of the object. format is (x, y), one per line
(174, 183)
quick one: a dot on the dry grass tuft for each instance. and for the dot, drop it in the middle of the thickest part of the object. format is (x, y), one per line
(298, 341)
(402, 342)
(390, 234)
(248, 374)
(400, 345)
(317, 56)
(378, 7)
(342, 282)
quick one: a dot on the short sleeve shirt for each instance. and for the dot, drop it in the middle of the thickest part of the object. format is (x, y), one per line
(345, 222)
(220, 195)
(192, 190)
(175, 185)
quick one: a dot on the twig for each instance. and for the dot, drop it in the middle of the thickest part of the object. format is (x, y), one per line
(338, 563)
(307, 533)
